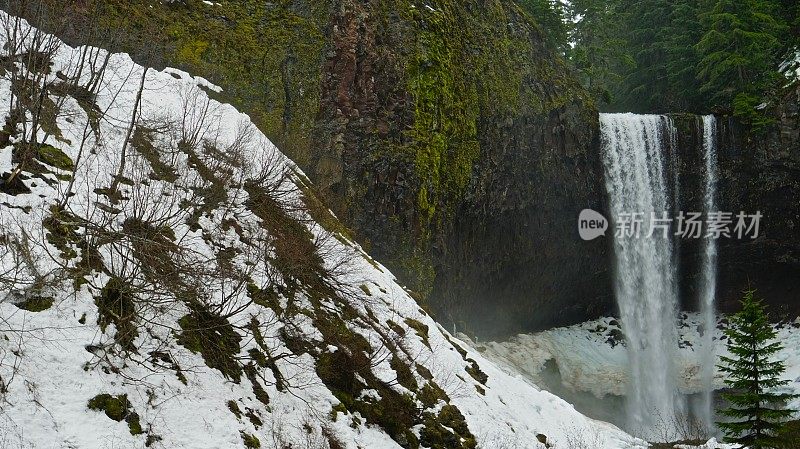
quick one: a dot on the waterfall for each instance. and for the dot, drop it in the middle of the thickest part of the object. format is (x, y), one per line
(708, 281)
(635, 148)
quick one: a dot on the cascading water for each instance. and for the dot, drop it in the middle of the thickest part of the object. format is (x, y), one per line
(645, 287)
(708, 285)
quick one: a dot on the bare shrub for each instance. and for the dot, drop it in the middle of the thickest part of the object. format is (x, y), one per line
(575, 438)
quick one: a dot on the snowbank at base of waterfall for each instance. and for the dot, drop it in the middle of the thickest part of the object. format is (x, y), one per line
(591, 357)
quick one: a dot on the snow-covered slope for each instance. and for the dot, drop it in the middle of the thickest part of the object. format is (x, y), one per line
(169, 279)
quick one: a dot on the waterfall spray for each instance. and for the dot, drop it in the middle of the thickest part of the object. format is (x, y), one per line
(645, 287)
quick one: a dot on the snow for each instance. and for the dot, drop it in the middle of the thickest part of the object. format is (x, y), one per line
(52, 362)
(591, 359)
(791, 67)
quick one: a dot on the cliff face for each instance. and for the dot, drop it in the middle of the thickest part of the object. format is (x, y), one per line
(756, 173)
(446, 135)
(458, 145)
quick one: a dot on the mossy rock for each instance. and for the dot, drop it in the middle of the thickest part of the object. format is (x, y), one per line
(398, 329)
(424, 372)
(117, 408)
(142, 142)
(258, 390)
(447, 430)
(234, 408)
(36, 304)
(322, 214)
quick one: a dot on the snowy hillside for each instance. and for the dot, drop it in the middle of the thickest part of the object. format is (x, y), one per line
(169, 279)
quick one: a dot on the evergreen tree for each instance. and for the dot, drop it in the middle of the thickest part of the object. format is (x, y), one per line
(660, 36)
(756, 410)
(790, 11)
(598, 51)
(551, 16)
(646, 85)
(681, 33)
(740, 53)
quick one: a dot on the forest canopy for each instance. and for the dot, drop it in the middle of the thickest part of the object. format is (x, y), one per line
(676, 55)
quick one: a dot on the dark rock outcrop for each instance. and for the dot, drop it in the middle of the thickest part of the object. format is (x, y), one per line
(468, 188)
(758, 172)
(514, 259)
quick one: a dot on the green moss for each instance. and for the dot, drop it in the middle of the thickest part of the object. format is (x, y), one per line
(265, 359)
(347, 372)
(117, 408)
(336, 409)
(54, 157)
(420, 329)
(31, 98)
(456, 346)
(226, 44)
(62, 232)
(258, 390)
(398, 329)
(424, 372)
(258, 357)
(430, 394)
(255, 420)
(265, 298)
(470, 69)
(234, 408)
(214, 338)
(116, 306)
(154, 246)
(36, 304)
(321, 213)
(464, 66)
(475, 371)
(250, 441)
(405, 376)
(446, 430)
(142, 142)
(152, 439)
